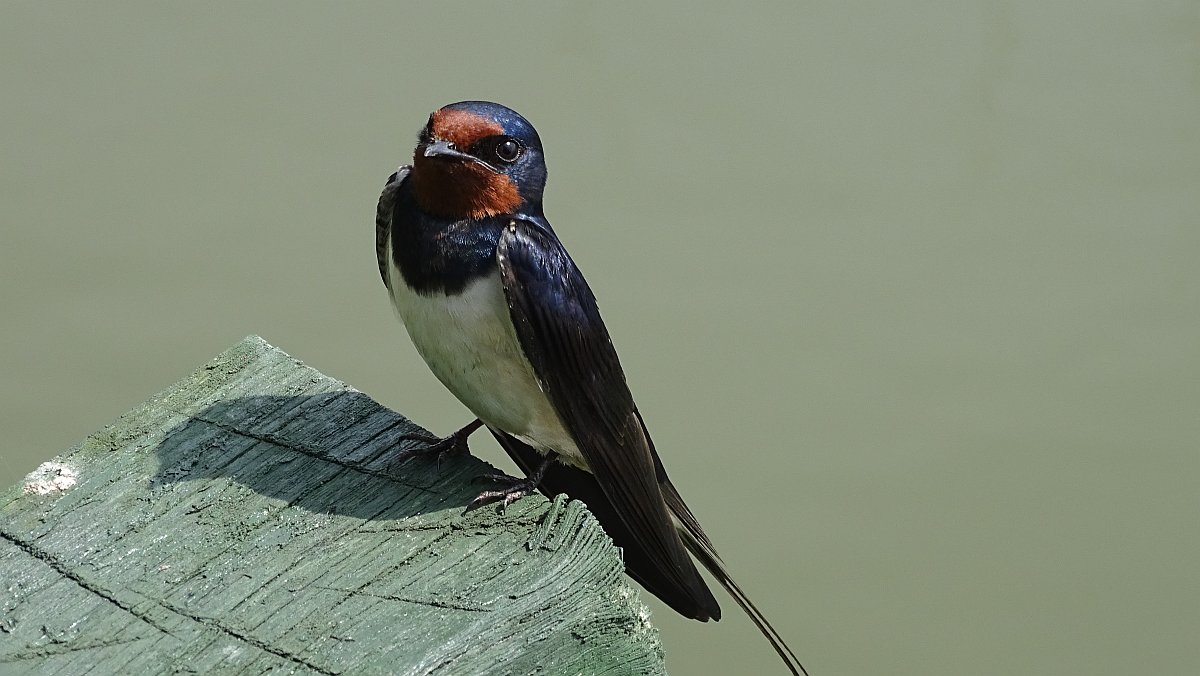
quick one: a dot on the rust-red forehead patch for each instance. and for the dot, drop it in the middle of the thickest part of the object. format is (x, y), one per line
(462, 128)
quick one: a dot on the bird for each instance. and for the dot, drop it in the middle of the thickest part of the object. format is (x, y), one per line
(503, 317)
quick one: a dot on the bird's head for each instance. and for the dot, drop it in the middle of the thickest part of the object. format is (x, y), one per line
(476, 159)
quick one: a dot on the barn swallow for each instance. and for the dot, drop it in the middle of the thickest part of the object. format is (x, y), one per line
(504, 319)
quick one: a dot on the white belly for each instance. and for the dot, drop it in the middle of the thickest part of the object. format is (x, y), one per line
(469, 343)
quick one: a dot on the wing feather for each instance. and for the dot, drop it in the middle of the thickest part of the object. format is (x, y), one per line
(560, 329)
(383, 220)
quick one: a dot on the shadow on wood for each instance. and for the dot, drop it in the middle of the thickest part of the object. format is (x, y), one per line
(249, 519)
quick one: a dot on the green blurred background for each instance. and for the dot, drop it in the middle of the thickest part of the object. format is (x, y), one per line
(908, 292)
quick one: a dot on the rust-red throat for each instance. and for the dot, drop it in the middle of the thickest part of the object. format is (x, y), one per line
(462, 189)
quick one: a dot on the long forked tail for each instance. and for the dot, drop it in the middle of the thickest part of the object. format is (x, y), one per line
(702, 549)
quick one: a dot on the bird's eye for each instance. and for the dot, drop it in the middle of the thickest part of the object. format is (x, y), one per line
(508, 150)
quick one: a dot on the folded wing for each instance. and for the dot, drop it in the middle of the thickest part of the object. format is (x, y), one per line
(560, 330)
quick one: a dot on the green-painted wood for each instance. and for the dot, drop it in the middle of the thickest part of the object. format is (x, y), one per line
(247, 520)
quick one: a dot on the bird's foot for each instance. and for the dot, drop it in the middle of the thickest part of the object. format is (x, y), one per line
(513, 488)
(435, 446)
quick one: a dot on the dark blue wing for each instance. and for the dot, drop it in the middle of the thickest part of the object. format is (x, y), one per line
(383, 219)
(564, 338)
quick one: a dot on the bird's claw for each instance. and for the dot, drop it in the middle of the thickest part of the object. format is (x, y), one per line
(514, 488)
(437, 447)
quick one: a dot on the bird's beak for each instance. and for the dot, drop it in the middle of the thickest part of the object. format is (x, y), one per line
(438, 148)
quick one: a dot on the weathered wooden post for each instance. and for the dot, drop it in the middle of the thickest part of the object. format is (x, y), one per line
(247, 520)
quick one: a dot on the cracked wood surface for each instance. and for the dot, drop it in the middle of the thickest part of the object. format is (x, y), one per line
(247, 520)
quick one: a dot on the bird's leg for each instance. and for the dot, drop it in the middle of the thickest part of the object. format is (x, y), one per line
(514, 488)
(439, 447)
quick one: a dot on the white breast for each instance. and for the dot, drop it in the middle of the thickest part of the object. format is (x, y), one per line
(469, 343)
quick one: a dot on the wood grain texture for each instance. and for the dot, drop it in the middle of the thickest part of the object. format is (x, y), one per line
(247, 520)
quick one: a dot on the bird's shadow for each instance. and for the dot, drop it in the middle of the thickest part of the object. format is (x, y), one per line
(334, 453)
